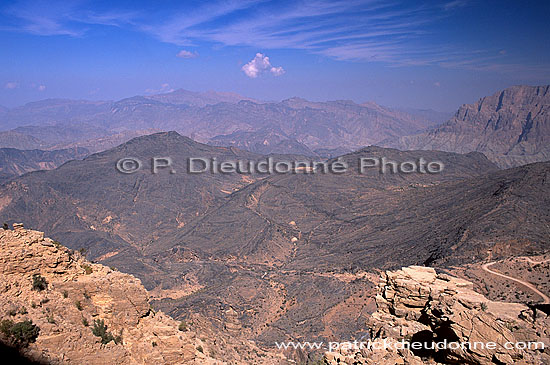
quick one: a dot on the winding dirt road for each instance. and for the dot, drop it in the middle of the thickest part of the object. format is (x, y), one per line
(545, 298)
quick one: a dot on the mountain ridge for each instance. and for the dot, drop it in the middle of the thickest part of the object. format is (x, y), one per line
(512, 127)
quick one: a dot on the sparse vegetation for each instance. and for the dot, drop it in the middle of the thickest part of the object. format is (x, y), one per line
(6, 226)
(78, 305)
(39, 283)
(182, 326)
(23, 310)
(19, 334)
(86, 295)
(51, 319)
(484, 306)
(200, 349)
(87, 269)
(65, 294)
(100, 330)
(85, 322)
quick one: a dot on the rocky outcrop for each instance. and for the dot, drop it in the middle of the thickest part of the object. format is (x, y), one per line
(511, 128)
(417, 305)
(76, 294)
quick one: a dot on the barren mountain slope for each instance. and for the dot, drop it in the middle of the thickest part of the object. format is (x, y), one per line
(69, 298)
(14, 162)
(91, 204)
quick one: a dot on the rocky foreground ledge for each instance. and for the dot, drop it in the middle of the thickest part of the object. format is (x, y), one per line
(415, 304)
(68, 298)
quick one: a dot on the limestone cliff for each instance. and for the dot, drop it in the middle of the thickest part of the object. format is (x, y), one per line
(511, 127)
(66, 297)
(415, 304)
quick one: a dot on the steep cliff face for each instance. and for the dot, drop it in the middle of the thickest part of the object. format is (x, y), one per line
(415, 304)
(70, 300)
(511, 128)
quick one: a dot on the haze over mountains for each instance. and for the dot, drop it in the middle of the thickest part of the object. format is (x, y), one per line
(207, 116)
(282, 256)
(362, 185)
(509, 127)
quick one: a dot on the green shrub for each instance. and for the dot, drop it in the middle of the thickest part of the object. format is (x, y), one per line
(183, 326)
(39, 283)
(88, 269)
(78, 305)
(51, 319)
(23, 310)
(19, 334)
(200, 349)
(85, 322)
(100, 330)
(65, 294)
(5, 326)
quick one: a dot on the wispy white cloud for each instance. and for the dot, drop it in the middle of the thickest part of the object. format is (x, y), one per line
(260, 64)
(187, 54)
(60, 17)
(396, 32)
(362, 30)
(179, 28)
(452, 5)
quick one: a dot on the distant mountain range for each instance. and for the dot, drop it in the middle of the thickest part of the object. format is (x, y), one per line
(511, 127)
(280, 256)
(200, 99)
(220, 118)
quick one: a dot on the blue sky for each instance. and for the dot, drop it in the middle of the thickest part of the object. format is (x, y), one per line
(431, 54)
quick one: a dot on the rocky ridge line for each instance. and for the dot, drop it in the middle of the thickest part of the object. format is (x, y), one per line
(416, 304)
(79, 292)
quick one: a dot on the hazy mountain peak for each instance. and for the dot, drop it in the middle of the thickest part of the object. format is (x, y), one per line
(200, 99)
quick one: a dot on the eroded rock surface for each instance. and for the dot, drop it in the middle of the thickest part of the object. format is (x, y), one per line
(78, 293)
(415, 304)
(510, 127)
